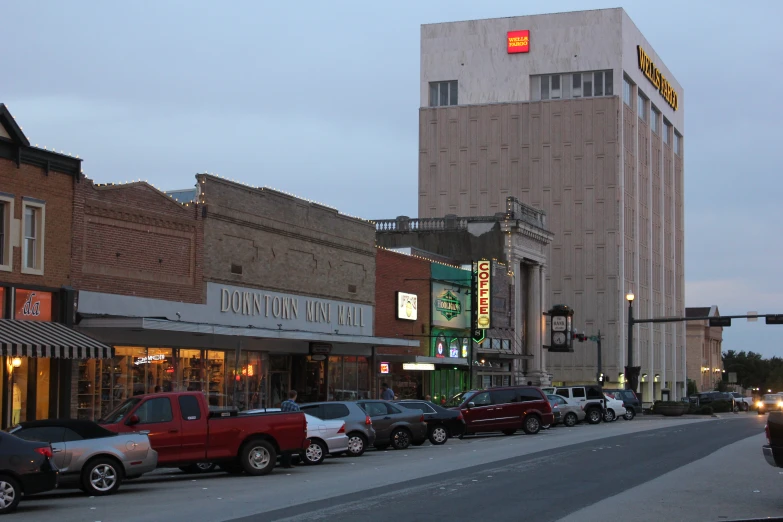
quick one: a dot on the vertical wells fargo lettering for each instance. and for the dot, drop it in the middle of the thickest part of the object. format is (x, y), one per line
(251, 303)
(518, 41)
(657, 78)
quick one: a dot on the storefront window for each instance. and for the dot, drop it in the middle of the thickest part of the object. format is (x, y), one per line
(19, 389)
(42, 372)
(247, 391)
(189, 371)
(405, 384)
(349, 378)
(279, 379)
(445, 384)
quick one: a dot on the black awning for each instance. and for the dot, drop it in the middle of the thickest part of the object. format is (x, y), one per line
(44, 339)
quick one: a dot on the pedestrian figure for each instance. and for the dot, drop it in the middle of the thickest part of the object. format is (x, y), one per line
(387, 394)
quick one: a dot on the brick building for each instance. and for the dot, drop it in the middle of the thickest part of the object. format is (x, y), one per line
(704, 348)
(39, 350)
(402, 310)
(242, 292)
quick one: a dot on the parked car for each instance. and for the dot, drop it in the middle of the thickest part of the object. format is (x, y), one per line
(441, 422)
(744, 402)
(556, 413)
(707, 398)
(773, 449)
(398, 427)
(506, 409)
(326, 437)
(26, 468)
(90, 457)
(184, 432)
(632, 404)
(590, 397)
(769, 402)
(614, 409)
(358, 425)
(571, 412)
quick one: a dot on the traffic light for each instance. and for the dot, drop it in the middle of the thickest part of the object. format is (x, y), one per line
(721, 321)
(775, 319)
(601, 378)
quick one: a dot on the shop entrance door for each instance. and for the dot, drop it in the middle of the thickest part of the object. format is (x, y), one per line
(308, 379)
(279, 384)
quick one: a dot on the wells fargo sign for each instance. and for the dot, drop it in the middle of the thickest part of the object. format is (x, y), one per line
(657, 78)
(518, 41)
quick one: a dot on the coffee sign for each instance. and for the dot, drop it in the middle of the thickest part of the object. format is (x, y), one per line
(32, 305)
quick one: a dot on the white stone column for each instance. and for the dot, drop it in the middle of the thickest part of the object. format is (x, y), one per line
(533, 332)
(544, 376)
(519, 334)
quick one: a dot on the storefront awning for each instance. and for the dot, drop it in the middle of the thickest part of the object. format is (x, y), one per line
(142, 330)
(45, 339)
(438, 361)
(494, 354)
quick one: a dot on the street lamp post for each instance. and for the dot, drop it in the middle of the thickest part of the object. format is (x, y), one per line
(630, 297)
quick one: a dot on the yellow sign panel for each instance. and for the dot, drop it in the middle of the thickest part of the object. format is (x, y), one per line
(657, 78)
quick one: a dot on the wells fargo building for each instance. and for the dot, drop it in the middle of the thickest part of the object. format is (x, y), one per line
(577, 115)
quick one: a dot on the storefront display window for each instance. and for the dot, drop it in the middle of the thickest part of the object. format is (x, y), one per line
(19, 373)
(247, 389)
(103, 384)
(42, 372)
(405, 384)
(444, 384)
(348, 378)
(279, 379)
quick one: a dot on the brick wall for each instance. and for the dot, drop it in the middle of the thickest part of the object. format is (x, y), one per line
(57, 190)
(266, 239)
(402, 273)
(134, 240)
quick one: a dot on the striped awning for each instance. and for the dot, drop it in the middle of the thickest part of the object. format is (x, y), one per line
(44, 339)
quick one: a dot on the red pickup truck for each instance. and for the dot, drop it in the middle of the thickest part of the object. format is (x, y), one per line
(184, 432)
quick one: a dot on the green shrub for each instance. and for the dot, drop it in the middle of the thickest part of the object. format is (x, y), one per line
(705, 410)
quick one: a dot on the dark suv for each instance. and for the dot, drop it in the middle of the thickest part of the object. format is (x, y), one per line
(633, 406)
(506, 409)
(358, 425)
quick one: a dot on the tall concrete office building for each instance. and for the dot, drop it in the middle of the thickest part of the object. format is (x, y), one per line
(577, 115)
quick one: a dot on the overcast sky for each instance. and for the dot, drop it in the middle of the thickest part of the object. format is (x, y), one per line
(321, 99)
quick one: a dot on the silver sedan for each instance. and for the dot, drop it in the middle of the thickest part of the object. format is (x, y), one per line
(90, 457)
(570, 411)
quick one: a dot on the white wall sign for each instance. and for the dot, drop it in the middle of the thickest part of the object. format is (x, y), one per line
(418, 366)
(558, 323)
(407, 306)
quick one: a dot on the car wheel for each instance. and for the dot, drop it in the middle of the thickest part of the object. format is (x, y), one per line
(257, 457)
(101, 476)
(439, 435)
(509, 432)
(594, 416)
(356, 444)
(570, 420)
(201, 467)
(400, 439)
(745, 406)
(10, 494)
(629, 415)
(609, 416)
(532, 425)
(315, 453)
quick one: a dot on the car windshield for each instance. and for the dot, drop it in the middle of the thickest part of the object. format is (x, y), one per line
(119, 412)
(457, 399)
(771, 397)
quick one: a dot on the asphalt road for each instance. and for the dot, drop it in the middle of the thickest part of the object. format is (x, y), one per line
(560, 472)
(542, 487)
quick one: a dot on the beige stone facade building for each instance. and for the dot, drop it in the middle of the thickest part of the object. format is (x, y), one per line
(704, 346)
(574, 114)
